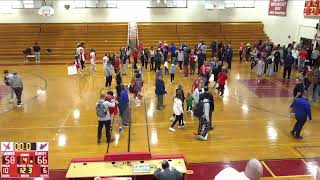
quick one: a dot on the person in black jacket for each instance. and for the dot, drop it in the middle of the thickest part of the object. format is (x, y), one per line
(277, 59)
(208, 95)
(287, 64)
(167, 173)
(160, 91)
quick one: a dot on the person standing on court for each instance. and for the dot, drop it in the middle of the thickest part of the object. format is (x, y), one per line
(135, 58)
(213, 48)
(207, 95)
(277, 59)
(302, 110)
(228, 55)
(287, 65)
(152, 53)
(7, 78)
(173, 49)
(158, 59)
(178, 111)
(124, 107)
(102, 111)
(17, 86)
(108, 73)
(180, 59)
(123, 58)
(316, 83)
(36, 49)
(160, 92)
(203, 50)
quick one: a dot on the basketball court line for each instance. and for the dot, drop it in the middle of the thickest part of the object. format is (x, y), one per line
(268, 169)
(147, 124)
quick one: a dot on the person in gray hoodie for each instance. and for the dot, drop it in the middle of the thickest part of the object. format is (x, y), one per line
(108, 72)
(17, 86)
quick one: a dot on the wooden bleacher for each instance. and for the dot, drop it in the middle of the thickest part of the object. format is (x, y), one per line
(61, 38)
(151, 33)
(109, 37)
(193, 32)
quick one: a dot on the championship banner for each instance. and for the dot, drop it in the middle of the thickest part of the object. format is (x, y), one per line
(312, 8)
(278, 7)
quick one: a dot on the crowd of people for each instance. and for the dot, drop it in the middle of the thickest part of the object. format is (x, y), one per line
(265, 57)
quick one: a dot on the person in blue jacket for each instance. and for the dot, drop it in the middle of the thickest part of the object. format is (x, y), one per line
(173, 49)
(302, 110)
(160, 92)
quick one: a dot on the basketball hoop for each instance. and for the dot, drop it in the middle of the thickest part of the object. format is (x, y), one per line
(46, 11)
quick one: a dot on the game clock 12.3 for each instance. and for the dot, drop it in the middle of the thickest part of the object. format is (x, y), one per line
(25, 170)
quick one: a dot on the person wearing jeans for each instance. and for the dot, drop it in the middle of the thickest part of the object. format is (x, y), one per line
(36, 49)
(204, 124)
(287, 64)
(302, 110)
(108, 73)
(160, 92)
(178, 111)
(105, 120)
(316, 84)
(17, 86)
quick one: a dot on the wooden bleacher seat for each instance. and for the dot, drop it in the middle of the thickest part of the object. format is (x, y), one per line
(194, 32)
(61, 39)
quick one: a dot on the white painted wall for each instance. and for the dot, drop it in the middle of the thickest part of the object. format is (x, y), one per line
(278, 28)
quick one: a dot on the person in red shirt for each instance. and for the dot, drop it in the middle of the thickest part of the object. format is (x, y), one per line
(116, 65)
(135, 58)
(222, 77)
(113, 110)
(303, 55)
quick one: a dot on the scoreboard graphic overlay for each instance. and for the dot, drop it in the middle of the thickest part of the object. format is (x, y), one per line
(24, 160)
(312, 8)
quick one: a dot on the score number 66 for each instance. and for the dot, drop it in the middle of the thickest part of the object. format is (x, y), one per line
(42, 160)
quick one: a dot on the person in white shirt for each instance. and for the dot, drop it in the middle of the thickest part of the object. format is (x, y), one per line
(93, 61)
(180, 58)
(105, 59)
(81, 55)
(178, 111)
(152, 53)
(295, 54)
(253, 171)
(196, 95)
(7, 79)
(128, 52)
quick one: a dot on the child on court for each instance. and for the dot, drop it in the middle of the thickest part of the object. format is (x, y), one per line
(93, 61)
(260, 69)
(189, 100)
(172, 72)
(222, 77)
(178, 111)
(166, 67)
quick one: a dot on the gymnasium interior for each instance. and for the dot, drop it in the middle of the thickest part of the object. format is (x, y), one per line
(251, 120)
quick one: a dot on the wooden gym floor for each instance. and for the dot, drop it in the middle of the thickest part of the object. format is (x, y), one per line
(250, 120)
